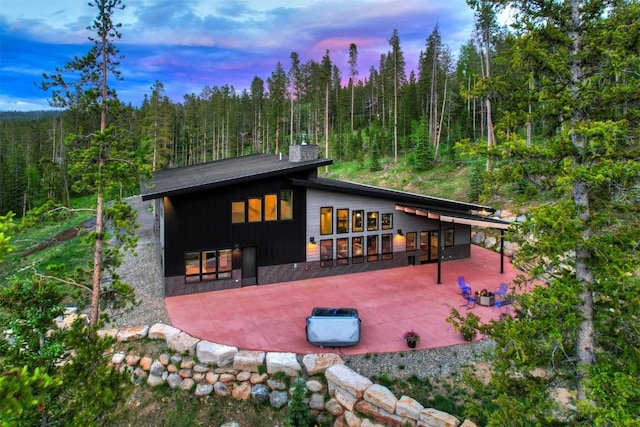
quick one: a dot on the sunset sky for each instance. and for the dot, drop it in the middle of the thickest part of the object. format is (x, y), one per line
(190, 44)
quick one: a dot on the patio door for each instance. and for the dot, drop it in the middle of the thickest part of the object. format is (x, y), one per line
(428, 246)
(249, 266)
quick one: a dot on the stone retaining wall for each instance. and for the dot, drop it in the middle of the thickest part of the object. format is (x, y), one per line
(337, 394)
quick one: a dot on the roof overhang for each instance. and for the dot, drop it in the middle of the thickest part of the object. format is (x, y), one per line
(475, 220)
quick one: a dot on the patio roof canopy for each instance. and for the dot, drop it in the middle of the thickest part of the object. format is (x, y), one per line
(473, 219)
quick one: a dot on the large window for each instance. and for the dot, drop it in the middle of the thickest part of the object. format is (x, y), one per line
(326, 253)
(237, 212)
(326, 221)
(357, 221)
(342, 251)
(372, 221)
(208, 265)
(387, 246)
(255, 209)
(271, 207)
(372, 248)
(342, 221)
(357, 254)
(286, 204)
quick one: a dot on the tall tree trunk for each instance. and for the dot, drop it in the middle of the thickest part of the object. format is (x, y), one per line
(585, 340)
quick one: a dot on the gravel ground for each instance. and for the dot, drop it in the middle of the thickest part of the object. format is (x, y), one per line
(144, 273)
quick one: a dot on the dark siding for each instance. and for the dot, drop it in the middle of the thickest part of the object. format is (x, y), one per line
(202, 221)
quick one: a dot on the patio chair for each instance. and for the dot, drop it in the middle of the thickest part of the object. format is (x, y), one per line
(502, 291)
(464, 285)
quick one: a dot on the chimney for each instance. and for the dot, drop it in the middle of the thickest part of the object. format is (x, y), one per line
(303, 153)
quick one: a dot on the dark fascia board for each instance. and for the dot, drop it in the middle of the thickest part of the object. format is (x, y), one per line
(222, 173)
(445, 206)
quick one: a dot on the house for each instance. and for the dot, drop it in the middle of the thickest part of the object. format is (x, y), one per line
(261, 219)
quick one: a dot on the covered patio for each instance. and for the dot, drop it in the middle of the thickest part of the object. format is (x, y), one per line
(390, 302)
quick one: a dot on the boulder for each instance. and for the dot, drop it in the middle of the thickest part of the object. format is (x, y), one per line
(132, 359)
(156, 368)
(430, 417)
(314, 386)
(138, 376)
(216, 354)
(345, 398)
(257, 378)
(246, 360)
(182, 342)
(380, 415)
(318, 363)
(352, 420)
(145, 362)
(346, 378)
(409, 408)
(278, 398)
(132, 333)
(160, 331)
(118, 357)
(108, 333)
(174, 380)
(260, 393)
(316, 401)
(241, 391)
(382, 397)
(187, 384)
(203, 389)
(220, 389)
(243, 376)
(211, 377)
(283, 362)
(333, 407)
(155, 380)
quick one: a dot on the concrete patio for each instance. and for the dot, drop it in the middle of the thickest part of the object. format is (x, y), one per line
(389, 302)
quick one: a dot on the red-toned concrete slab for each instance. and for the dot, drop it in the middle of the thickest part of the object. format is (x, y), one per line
(389, 302)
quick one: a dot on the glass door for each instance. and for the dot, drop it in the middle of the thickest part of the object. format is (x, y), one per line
(428, 246)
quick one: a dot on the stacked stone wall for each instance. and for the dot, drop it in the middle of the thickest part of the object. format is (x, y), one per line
(335, 392)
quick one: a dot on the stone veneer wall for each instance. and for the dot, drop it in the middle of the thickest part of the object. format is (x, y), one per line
(353, 400)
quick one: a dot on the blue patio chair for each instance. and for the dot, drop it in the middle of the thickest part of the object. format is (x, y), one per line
(469, 299)
(502, 291)
(464, 285)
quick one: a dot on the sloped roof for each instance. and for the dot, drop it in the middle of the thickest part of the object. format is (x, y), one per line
(220, 173)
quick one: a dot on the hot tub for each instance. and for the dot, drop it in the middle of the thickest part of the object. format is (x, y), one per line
(333, 327)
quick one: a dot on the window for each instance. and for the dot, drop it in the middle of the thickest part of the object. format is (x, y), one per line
(237, 212)
(387, 221)
(192, 267)
(286, 204)
(372, 248)
(411, 241)
(225, 264)
(342, 251)
(449, 237)
(356, 221)
(387, 246)
(326, 221)
(208, 265)
(357, 255)
(271, 207)
(326, 253)
(255, 209)
(372, 221)
(342, 221)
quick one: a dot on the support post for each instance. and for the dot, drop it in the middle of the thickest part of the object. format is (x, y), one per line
(440, 250)
(501, 251)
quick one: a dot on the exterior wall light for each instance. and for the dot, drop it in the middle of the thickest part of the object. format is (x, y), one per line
(400, 232)
(312, 240)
